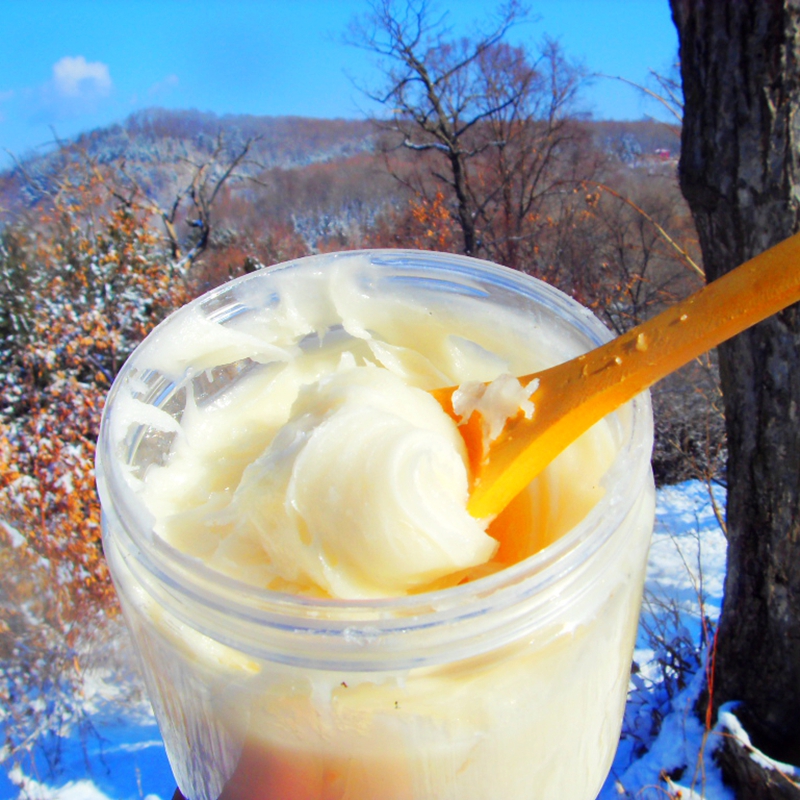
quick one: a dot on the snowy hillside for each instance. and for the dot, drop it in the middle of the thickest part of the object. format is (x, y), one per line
(117, 754)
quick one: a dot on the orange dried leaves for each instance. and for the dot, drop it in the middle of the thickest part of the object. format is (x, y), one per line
(93, 283)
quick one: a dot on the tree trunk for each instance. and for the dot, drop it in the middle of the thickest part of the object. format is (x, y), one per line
(740, 174)
(466, 219)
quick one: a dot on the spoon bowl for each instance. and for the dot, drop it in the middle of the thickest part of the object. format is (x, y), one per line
(571, 397)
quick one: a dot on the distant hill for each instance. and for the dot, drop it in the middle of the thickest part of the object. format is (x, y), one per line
(161, 135)
(633, 142)
(159, 147)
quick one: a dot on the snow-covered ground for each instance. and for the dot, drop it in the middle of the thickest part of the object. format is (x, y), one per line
(664, 750)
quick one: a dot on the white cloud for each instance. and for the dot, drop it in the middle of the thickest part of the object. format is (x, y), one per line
(76, 78)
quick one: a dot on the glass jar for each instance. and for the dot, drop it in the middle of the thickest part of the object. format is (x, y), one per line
(509, 686)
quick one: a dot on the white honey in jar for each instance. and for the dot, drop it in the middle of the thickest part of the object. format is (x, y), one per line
(318, 616)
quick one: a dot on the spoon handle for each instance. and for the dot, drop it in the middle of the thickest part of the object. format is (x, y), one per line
(572, 396)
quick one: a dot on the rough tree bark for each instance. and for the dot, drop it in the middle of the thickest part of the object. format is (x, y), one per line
(740, 173)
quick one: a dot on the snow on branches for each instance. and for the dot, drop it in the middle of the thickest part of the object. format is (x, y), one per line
(80, 285)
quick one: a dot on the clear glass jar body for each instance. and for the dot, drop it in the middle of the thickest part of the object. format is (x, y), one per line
(510, 686)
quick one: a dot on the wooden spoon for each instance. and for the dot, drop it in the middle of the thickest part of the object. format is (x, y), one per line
(573, 396)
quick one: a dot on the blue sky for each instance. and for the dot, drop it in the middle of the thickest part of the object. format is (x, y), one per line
(73, 65)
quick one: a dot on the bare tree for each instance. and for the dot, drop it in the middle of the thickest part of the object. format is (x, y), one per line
(536, 152)
(205, 181)
(486, 120)
(740, 173)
